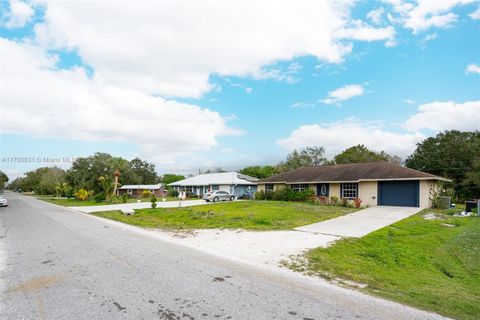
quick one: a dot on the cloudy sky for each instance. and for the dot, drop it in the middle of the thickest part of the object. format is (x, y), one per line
(191, 84)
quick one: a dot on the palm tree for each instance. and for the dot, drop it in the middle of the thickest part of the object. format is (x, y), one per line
(116, 174)
(61, 189)
(108, 186)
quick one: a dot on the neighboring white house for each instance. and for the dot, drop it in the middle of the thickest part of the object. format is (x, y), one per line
(236, 183)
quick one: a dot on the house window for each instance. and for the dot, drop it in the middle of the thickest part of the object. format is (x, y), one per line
(349, 190)
(269, 187)
(299, 187)
(129, 192)
(215, 187)
(152, 191)
(190, 189)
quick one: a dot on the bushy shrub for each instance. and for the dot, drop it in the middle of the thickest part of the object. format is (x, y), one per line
(124, 197)
(334, 200)
(344, 202)
(82, 194)
(323, 200)
(357, 202)
(172, 193)
(285, 194)
(99, 197)
(153, 200)
(69, 192)
(146, 194)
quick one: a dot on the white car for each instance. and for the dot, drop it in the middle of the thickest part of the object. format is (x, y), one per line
(218, 195)
(3, 202)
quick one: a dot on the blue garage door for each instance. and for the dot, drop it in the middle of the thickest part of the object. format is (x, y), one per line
(398, 193)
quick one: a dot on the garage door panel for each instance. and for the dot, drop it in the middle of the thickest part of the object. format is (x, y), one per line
(398, 193)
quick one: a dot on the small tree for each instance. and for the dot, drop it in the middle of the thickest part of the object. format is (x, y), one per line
(153, 200)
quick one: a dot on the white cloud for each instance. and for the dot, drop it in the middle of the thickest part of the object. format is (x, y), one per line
(40, 100)
(170, 48)
(288, 74)
(361, 31)
(425, 14)
(340, 135)
(472, 68)
(19, 14)
(430, 37)
(476, 14)
(242, 86)
(449, 115)
(434, 116)
(299, 105)
(376, 15)
(343, 93)
(409, 101)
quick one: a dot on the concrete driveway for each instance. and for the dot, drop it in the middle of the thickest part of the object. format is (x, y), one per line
(126, 207)
(361, 223)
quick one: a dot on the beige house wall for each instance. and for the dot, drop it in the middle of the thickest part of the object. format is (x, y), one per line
(334, 190)
(261, 187)
(426, 186)
(368, 192)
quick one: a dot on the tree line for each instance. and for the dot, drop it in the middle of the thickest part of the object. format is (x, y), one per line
(451, 154)
(315, 156)
(94, 174)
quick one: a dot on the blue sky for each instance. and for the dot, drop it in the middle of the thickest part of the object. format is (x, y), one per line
(233, 95)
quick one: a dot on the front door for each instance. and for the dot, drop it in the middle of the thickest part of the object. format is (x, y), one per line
(322, 189)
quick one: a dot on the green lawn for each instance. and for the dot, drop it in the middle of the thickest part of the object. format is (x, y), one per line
(429, 264)
(77, 203)
(250, 215)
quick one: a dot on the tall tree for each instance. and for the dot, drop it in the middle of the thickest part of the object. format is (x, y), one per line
(450, 154)
(143, 171)
(471, 183)
(310, 156)
(41, 181)
(3, 180)
(168, 178)
(360, 153)
(259, 172)
(85, 172)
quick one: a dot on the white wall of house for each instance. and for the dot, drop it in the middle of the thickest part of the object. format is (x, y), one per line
(224, 187)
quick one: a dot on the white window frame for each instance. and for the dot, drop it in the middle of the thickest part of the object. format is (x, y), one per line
(349, 190)
(299, 187)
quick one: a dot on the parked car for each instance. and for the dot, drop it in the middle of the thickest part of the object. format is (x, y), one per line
(3, 202)
(218, 195)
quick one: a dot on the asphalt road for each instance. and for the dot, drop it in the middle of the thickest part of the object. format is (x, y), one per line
(59, 264)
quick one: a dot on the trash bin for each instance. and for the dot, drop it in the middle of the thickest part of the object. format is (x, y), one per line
(470, 205)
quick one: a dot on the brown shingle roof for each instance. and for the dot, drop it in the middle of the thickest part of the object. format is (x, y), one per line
(349, 172)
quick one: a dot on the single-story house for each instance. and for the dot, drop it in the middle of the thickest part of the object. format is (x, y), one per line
(233, 182)
(135, 190)
(375, 183)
